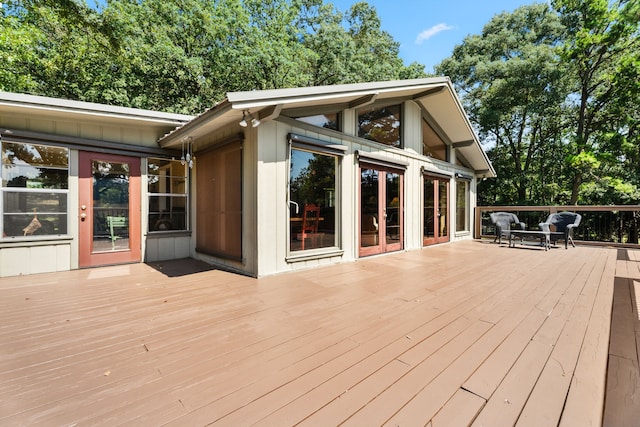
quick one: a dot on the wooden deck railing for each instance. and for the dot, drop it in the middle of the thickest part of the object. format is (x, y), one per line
(612, 225)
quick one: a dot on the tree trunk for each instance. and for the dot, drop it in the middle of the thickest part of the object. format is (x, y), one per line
(575, 189)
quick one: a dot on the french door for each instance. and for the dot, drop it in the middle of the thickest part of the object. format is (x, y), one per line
(109, 209)
(436, 210)
(381, 212)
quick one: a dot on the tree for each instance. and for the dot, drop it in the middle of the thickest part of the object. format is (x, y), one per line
(512, 84)
(601, 53)
(184, 55)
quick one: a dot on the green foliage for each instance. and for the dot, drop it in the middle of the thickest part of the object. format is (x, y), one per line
(513, 84)
(601, 53)
(609, 191)
(184, 55)
(555, 93)
(585, 162)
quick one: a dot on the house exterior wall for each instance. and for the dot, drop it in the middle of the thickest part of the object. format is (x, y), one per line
(272, 181)
(29, 256)
(265, 180)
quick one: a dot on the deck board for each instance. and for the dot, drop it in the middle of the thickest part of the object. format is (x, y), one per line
(459, 333)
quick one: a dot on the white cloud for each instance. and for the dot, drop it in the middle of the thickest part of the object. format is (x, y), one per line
(428, 33)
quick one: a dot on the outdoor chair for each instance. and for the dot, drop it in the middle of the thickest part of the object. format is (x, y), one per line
(114, 222)
(503, 222)
(560, 227)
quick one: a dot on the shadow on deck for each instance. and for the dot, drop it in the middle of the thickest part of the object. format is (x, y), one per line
(622, 407)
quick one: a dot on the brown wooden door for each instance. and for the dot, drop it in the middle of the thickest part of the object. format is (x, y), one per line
(436, 210)
(381, 210)
(109, 209)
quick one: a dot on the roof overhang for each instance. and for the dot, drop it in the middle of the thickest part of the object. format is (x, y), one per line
(63, 109)
(436, 96)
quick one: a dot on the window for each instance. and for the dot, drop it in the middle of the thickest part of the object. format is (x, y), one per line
(432, 144)
(462, 205)
(312, 196)
(327, 121)
(380, 124)
(35, 190)
(168, 195)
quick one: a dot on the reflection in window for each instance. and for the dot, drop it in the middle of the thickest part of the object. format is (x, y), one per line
(432, 144)
(462, 203)
(312, 187)
(110, 205)
(167, 195)
(380, 124)
(327, 121)
(35, 182)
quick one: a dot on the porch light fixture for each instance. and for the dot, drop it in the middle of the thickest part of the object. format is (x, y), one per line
(255, 122)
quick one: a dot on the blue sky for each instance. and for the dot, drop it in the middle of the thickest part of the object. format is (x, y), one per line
(428, 30)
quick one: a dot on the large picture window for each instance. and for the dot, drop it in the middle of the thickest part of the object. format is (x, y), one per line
(381, 124)
(35, 190)
(168, 195)
(312, 196)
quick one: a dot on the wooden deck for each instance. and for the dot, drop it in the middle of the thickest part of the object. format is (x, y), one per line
(470, 333)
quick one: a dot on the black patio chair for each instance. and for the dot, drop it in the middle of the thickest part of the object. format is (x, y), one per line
(503, 222)
(560, 227)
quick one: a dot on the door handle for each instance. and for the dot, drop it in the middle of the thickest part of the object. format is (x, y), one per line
(83, 216)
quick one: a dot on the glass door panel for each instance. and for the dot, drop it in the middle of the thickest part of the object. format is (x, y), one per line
(392, 208)
(430, 218)
(369, 203)
(381, 219)
(436, 210)
(110, 206)
(443, 209)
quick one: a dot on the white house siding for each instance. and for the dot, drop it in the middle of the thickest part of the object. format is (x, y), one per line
(16, 260)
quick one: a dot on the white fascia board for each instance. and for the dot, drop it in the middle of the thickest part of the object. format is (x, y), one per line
(259, 99)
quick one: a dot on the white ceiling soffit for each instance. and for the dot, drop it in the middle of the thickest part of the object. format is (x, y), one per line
(446, 109)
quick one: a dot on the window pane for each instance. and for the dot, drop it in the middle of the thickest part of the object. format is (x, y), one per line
(23, 176)
(167, 195)
(327, 121)
(380, 124)
(167, 176)
(14, 153)
(312, 185)
(31, 213)
(167, 213)
(34, 166)
(461, 206)
(432, 145)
